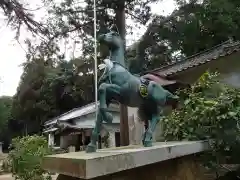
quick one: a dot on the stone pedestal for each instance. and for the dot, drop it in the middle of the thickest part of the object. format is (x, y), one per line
(163, 161)
(185, 168)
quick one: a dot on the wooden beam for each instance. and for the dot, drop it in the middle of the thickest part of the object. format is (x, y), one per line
(124, 128)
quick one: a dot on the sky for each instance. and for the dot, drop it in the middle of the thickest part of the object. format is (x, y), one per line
(13, 55)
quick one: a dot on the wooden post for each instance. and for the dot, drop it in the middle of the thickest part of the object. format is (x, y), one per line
(121, 25)
(124, 128)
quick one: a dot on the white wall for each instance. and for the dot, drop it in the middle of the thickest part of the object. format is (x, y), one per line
(67, 140)
(232, 79)
(89, 120)
(136, 127)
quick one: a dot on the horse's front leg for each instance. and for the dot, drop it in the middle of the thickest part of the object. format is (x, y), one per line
(147, 138)
(105, 90)
(92, 146)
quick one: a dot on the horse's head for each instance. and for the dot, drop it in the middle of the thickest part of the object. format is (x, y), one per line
(114, 45)
(111, 39)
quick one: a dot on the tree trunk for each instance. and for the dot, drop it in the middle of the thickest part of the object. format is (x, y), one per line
(121, 25)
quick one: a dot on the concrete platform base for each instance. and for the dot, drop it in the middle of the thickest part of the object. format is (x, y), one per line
(185, 168)
(163, 161)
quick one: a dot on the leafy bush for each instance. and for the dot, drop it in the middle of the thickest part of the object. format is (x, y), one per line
(25, 158)
(208, 110)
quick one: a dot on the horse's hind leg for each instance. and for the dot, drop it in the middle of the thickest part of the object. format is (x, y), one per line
(147, 139)
(158, 96)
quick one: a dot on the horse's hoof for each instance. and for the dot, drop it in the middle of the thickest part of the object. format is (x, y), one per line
(147, 143)
(91, 148)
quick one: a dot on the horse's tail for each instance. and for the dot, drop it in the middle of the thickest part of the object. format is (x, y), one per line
(172, 100)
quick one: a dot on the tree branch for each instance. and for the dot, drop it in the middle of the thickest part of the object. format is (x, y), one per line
(17, 16)
(132, 15)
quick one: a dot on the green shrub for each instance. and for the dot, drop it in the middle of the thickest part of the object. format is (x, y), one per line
(208, 110)
(25, 158)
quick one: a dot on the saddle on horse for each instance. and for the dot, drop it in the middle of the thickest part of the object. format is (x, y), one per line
(158, 79)
(143, 88)
(145, 79)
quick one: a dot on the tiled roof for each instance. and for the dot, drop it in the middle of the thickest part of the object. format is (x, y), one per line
(204, 57)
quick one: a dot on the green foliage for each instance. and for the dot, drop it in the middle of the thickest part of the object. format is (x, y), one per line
(12, 9)
(209, 110)
(212, 21)
(48, 87)
(5, 117)
(192, 27)
(5, 111)
(25, 158)
(70, 17)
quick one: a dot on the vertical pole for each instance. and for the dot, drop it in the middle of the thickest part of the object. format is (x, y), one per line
(95, 55)
(121, 25)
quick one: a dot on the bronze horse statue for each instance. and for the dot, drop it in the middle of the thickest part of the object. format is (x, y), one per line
(118, 84)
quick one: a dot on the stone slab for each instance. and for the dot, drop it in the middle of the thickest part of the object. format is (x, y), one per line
(108, 161)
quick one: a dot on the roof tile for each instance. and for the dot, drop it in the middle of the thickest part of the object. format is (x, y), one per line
(206, 56)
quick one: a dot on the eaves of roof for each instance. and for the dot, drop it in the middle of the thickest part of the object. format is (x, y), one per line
(78, 112)
(201, 58)
(48, 130)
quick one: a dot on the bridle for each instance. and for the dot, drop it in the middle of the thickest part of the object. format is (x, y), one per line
(107, 71)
